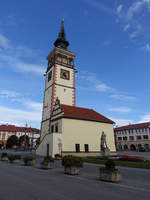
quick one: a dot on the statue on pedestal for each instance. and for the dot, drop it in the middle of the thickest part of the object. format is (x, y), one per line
(105, 151)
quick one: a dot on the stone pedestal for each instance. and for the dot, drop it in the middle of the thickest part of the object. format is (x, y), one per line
(106, 152)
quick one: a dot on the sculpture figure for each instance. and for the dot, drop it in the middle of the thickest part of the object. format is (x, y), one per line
(104, 148)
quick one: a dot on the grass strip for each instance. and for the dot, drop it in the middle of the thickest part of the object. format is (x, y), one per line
(133, 164)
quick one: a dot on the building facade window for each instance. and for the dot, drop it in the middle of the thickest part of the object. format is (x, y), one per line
(77, 147)
(145, 137)
(125, 138)
(3, 136)
(119, 138)
(138, 137)
(86, 148)
(131, 138)
(56, 127)
(52, 128)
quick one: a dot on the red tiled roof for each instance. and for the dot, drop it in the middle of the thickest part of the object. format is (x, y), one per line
(12, 128)
(74, 112)
(133, 126)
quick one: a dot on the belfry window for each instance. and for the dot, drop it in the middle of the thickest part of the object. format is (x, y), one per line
(49, 76)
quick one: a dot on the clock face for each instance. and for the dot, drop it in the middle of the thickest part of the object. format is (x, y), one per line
(64, 74)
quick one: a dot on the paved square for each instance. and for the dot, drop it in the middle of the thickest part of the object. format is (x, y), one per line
(30, 183)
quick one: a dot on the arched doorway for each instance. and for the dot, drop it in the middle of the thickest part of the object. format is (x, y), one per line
(125, 147)
(132, 147)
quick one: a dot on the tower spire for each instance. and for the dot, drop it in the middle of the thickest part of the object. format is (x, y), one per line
(61, 41)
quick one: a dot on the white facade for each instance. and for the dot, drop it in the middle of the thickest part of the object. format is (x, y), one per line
(67, 132)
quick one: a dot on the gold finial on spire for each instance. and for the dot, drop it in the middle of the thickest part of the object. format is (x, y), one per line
(26, 125)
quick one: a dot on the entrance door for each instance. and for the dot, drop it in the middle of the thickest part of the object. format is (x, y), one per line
(47, 150)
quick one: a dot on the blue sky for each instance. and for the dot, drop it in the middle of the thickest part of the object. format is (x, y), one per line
(111, 40)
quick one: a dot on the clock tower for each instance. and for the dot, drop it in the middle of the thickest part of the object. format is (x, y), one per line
(59, 79)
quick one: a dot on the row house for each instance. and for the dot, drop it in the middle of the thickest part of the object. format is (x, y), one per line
(133, 136)
(7, 130)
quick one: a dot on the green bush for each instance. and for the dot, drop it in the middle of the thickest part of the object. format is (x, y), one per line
(72, 161)
(47, 159)
(58, 155)
(110, 165)
(14, 157)
(28, 159)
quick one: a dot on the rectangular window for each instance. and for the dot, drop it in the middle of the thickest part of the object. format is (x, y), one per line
(125, 138)
(49, 76)
(145, 137)
(131, 137)
(86, 148)
(119, 138)
(3, 136)
(56, 127)
(138, 137)
(52, 128)
(77, 147)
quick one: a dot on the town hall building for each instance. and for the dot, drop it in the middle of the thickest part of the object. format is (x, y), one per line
(66, 128)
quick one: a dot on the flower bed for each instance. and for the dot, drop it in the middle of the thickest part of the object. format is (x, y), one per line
(131, 158)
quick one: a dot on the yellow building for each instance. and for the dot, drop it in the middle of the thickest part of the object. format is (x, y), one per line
(66, 128)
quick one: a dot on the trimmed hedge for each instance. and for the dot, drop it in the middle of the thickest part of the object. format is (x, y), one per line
(72, 161)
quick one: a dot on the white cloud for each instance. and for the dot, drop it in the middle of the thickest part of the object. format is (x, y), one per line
(136, 32)
(31, 113)
(14, 58)
(137, 7)
(98, 85)
(145, 118)
(119, 8)
(33, 105)
(89, 79)
(122, 97)
(126, 27)
(19, 116)
(146, 47)
(8, 94)
(101, 87)
(100, 6)
(131, 18)
(4, 42)
(121, 109)
(122, 122)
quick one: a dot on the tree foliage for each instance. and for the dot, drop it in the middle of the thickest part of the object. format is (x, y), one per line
(12, 141)
(24, 139)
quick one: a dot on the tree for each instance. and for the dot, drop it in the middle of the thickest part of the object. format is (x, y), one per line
(12, 141)
(24, 140)
(37, 142)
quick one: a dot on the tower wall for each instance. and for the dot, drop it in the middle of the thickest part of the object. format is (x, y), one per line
(65, 89)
